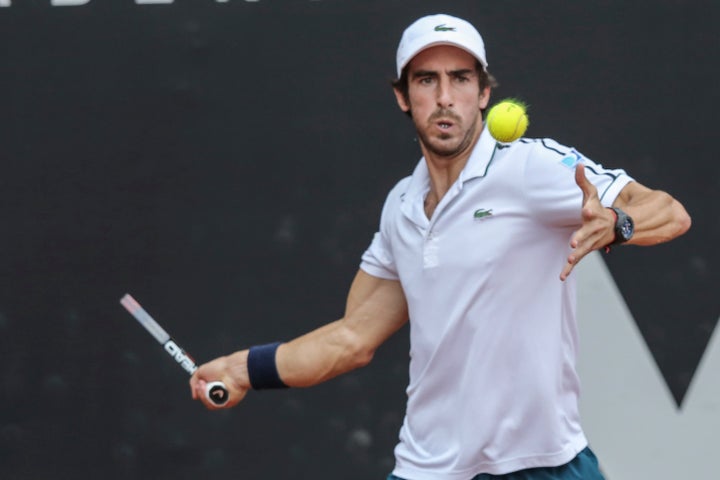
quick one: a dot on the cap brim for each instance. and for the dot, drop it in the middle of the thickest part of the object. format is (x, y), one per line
(422, 47)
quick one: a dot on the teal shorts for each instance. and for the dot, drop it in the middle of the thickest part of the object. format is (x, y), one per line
(583, 467)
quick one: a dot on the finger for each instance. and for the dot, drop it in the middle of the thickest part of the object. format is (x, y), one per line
(575, 240)
(192, 382)
(587, 229)
(580, 178)
(588, 189)
(581, 246)
(583, 242)
(572, 260)
(199, 390)
(565, 273)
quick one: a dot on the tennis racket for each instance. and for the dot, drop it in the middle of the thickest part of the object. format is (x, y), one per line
(216, 392)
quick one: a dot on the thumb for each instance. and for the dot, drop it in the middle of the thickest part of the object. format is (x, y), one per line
(581, 180)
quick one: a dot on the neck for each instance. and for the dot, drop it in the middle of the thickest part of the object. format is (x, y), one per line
(444, 170)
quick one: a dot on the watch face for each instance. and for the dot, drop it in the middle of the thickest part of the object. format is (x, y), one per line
(624, 227)
(627, 228)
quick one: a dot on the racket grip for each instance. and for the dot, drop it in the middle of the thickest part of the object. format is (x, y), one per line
(217, 393)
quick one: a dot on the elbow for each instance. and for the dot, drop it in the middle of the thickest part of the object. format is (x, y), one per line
(363, 359)
(358, 352)
(684, 225)
(674, 222)
(679, 223)
(362, 356)
(683, 222)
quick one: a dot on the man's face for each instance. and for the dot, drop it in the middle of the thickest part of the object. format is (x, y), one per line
(444, 99)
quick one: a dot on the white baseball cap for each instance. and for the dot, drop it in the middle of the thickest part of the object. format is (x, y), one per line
(439, 29)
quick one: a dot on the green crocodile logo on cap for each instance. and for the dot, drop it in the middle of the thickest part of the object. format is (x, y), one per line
(443, 28)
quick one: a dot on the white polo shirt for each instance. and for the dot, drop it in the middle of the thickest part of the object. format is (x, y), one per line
(493, 337)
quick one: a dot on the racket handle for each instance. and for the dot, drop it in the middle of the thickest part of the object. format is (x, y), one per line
(217, 393)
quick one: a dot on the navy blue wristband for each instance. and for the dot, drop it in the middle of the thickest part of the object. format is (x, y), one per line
(262, 369)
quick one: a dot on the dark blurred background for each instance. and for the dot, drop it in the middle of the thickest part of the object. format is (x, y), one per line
(226, 163)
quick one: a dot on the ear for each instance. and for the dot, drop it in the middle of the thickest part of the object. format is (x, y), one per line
(484, 98)
(401, 100)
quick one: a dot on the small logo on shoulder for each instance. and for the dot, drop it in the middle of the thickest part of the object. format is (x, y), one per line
(571, 159)
(443, 28)
(482, 213)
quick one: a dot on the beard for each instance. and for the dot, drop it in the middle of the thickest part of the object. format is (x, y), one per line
(445, 144)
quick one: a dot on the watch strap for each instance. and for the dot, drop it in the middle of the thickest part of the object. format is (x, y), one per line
(621, 220)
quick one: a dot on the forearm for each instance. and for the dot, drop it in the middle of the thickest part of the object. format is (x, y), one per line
(313, 358)
(658, 217)
(322, 354)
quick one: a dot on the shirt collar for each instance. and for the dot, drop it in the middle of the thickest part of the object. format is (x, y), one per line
(480, 158)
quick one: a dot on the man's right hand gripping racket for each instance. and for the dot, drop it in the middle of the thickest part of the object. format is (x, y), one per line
(216, 392)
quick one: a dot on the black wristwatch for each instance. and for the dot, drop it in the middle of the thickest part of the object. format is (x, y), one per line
(624, 226)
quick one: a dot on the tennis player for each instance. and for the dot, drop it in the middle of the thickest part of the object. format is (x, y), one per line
(476, 249)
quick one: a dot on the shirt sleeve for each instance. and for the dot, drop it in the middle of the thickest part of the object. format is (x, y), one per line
(378, 260)
(550, 183)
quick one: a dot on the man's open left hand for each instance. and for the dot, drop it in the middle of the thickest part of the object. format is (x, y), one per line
(598, 224)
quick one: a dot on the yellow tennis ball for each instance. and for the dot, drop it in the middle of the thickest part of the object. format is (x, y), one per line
(507, 121)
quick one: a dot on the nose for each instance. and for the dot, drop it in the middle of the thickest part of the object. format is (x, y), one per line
(444, 93)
